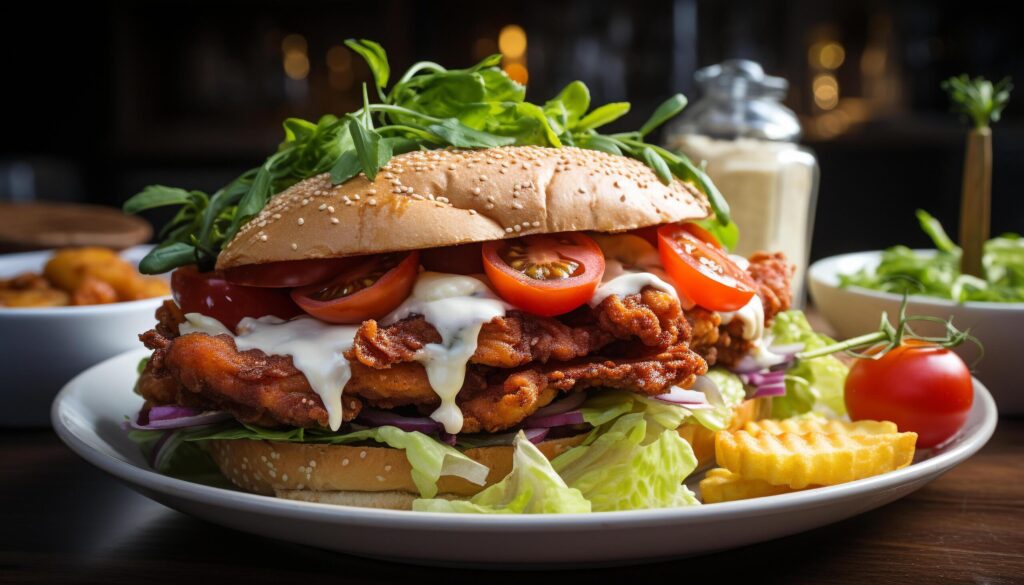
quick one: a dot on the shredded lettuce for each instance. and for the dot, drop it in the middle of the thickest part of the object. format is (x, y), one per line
(815, 384)
(532, 487)
(630, 465)
(733, 393)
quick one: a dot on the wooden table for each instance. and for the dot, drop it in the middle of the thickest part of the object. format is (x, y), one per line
(64, 521)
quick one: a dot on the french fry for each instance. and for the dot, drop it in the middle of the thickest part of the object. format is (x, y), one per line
(722, 485)
(800, 460)
(810, 425)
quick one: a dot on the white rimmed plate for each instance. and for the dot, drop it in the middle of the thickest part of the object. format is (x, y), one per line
(88, 413)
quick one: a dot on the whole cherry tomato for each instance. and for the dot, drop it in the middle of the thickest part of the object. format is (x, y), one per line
(922, 387)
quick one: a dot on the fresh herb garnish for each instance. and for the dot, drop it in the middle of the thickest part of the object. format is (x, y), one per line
(428, 107)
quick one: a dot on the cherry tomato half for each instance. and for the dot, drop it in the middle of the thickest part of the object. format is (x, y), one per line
(462, 259)
(208, 293)
(919, 386)
(370, 289)
(287, 274)
(701, 271)
(546, 275)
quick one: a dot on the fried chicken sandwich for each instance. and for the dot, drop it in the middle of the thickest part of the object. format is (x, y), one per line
(457, 307)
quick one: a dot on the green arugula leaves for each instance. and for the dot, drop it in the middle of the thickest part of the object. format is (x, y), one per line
(428, 107)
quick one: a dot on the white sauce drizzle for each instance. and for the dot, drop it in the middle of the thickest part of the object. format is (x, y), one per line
(620, 281)
(752, 316)
(317, 350)
(457, 306)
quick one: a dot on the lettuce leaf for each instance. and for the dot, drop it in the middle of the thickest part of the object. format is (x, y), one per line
(630, 465)
(532, 487)
(815, 384)
(429, 458)
(608, 405)
(733, 393)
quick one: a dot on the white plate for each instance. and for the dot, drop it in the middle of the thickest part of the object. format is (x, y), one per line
(89, 411)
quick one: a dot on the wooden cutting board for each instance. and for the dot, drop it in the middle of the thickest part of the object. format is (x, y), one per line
(35, 226)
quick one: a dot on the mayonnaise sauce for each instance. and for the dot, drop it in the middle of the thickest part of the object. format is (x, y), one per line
(457, 306)
(752, 316)
(620, 281)
(317, 350)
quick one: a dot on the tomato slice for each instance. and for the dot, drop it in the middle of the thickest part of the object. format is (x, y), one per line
(208, 293)
(368, 290)
(287, 274)
(703, 273)
(649, 233)
(545, 275)
(462, 259)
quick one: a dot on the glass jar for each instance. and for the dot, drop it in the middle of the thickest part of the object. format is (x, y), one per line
(748, 140)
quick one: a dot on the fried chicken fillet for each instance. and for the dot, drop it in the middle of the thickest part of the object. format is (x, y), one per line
(642, 343)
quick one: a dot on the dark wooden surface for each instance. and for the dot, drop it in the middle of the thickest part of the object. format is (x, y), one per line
(63, 521)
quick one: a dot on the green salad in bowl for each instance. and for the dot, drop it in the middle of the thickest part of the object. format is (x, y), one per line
(937, 274)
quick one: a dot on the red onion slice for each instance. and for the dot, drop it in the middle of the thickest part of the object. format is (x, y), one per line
(573, 417)
(194, 419)
(773, 389)
(171, 411)
(570, 402)
(683, 397)
(535, 436)
(379, 418)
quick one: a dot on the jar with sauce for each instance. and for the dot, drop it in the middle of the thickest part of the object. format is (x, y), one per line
(749, 142)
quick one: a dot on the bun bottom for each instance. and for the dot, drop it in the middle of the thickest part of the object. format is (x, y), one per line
(381, 477)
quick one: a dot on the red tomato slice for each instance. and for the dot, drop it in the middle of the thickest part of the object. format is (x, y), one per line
(288, 274)
(701, 272)
(368, 290)
(650, 233)
(545, 275)
(919, 386)
(463, 259)
(208, 293)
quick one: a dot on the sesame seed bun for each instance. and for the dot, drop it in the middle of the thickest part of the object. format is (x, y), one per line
(380, 477)
(428, 199)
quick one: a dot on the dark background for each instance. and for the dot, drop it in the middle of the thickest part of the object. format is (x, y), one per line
(102, 99)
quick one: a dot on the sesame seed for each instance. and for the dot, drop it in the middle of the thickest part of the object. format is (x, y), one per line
(508, 230)
(387, 468)
(305, 201)
(263, 238)
(489, 206)
(301, 221)
(356, 196)
(476, 190)
(472, 212)
(330, 209)
(344, 462)
(322, 207)
(380, 478)
(334, 220)
(272, 473)
(372, 202)
(517, 205)
(362, 454)
(370, 192)
(536, 224)
(312, 463)
(295, 246)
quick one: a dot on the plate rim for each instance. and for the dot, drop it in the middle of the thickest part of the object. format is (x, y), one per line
(239, 501)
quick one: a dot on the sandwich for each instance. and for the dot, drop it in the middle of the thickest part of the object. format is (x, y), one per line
(400, 310)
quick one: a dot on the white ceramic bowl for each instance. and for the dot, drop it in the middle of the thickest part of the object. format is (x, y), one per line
(41, 349)
(999, 326)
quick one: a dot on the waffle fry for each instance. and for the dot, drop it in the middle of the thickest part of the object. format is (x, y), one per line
(831, 427)
(722, 485)
(800, 460)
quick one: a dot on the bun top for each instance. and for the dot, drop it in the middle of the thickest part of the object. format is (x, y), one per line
(433, 198)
